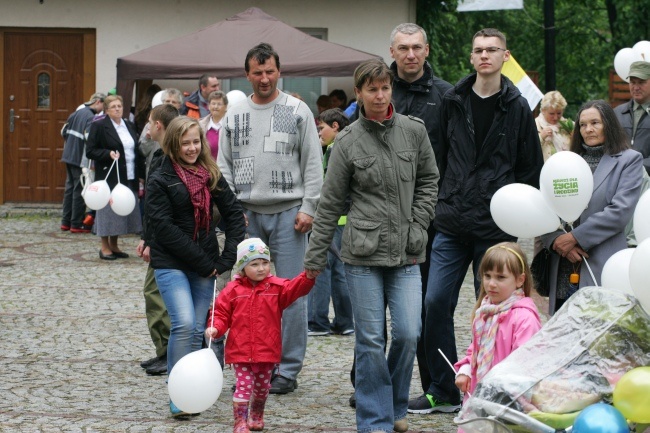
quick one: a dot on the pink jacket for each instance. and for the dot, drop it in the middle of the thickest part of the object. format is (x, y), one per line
(516, 326)
(254, 314)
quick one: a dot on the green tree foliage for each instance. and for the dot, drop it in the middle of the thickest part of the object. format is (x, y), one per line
(589, 33)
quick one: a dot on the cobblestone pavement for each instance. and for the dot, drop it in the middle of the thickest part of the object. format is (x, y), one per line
(73, 330)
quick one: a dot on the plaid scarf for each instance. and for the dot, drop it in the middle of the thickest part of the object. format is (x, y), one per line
(486, 324)
(196, 181)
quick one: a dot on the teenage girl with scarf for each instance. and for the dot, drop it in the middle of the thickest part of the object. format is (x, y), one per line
(505, 316)
(185, 254)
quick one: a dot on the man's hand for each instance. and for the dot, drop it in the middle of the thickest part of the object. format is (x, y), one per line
(303, 222)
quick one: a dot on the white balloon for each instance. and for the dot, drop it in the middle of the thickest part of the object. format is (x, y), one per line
(122, 200)
(640, 274)
(520, 210)
(157, 99)
(642, 218)
(616, 272)
(97, 195)
(622, 61)
(195, 382)
(234, 97)
(642, 50)
(566, 183)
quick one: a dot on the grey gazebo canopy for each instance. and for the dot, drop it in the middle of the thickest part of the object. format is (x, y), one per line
(221, 48)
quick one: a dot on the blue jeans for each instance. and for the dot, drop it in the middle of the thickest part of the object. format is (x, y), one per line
(450, 259)
(187, 297)
(382, 382)
(331, 282)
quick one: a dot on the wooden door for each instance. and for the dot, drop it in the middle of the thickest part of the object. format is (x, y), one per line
(43, 84)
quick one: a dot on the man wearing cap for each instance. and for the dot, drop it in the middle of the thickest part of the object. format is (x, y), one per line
(196, 105)
(74, 133)
(635, 115)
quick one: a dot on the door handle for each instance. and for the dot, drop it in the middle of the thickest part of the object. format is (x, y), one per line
(12, 116)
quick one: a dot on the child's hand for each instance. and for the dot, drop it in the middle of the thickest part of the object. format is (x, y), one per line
(462, 382)
(311, 274)
(211, 332)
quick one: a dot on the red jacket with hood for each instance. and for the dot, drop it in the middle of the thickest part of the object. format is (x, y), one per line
(254, 315)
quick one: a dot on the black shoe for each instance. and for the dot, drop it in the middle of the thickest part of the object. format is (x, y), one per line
(107, 256)
(157, 368)
(282, 385)
(119, 254)
(353, 400)
(148, 362)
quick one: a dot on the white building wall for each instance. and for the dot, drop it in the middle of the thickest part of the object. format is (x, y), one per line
(126, 26)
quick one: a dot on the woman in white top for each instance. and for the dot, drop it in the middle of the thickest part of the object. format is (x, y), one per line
(114, 138)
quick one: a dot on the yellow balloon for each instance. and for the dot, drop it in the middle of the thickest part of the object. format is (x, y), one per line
(632, 395)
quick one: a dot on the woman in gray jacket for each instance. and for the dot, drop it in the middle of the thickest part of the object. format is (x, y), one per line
(600, 231)
(385, 164)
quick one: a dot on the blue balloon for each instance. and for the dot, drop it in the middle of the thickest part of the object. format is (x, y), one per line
(600, 418)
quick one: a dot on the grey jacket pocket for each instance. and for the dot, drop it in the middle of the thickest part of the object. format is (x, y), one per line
(363, 237)
(417, 239)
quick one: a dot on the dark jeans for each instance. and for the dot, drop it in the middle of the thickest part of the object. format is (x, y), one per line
(74, 206)
(425, 376)
(450, 259)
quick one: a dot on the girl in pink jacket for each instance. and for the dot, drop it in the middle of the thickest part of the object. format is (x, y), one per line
(251, 307)
(504, 318)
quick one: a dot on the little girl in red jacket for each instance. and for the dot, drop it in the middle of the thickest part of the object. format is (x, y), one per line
(251, 307)
(504, 318)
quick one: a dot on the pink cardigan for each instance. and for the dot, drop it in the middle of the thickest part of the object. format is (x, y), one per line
(516, 326)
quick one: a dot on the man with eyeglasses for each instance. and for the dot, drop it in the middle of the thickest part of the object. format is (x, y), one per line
(487, 139)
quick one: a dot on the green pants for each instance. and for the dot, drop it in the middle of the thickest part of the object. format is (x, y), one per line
(157, 318)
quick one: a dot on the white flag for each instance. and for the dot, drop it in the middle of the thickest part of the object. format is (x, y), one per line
(488, 5)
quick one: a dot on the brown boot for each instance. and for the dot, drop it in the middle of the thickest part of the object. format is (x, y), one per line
(240, 411)
(256, 420)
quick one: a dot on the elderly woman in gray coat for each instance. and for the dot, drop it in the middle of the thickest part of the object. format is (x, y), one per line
(600, 230)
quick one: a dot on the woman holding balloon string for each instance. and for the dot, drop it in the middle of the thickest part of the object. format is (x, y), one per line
(185, 254)
(599, 232)
(110, 139)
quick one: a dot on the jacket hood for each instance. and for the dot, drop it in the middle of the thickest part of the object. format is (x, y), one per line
(508, 93)
(528, 304)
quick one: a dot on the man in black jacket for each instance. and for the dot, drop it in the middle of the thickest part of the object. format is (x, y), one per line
(417, 92)
(487, 140)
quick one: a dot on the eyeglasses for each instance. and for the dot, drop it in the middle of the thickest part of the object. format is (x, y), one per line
(490, 50)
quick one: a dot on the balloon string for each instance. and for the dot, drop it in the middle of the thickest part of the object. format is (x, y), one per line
(118, 171)
(591, 273)
(111, 169)
(214, 297)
